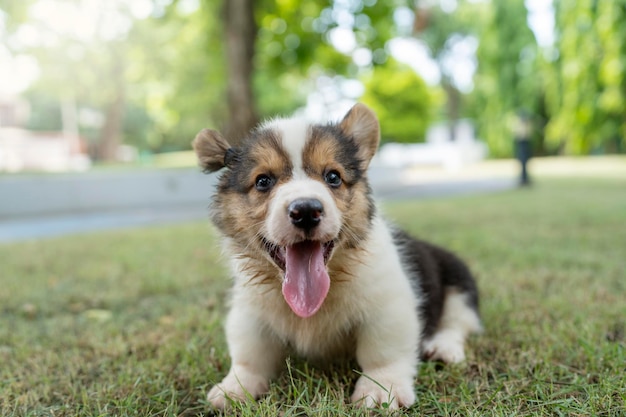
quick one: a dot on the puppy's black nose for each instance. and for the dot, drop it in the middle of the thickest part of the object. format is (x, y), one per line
(306, 213)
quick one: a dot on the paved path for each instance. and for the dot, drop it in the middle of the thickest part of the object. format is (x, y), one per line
(27, 228)
(388, 185)
(447, 188)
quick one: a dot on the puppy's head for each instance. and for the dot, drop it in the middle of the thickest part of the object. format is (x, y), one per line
(294, 193)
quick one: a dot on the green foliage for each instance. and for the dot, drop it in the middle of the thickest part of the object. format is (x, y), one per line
(15, 13)
(588, 90)
(45, 112)
(137, 126)
(576, 88)
(506, 81)
(443, 29)
(280, 94)
(291, 39)
(402, 101)
(177, 75)
(293, 46)
(440, 26)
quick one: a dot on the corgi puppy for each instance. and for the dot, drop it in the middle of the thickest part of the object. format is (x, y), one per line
(318, 272)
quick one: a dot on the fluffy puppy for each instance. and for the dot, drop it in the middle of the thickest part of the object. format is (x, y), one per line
(317, 271)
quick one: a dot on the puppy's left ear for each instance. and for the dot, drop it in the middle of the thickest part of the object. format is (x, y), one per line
(362, 125)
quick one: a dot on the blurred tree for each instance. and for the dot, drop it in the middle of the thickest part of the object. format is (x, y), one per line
(446, 27)
(152, 79)
(176, 76)
(295, 44)
(262, 68)
(587, 95)
(45, 112)
(290, 50)
(171, 71)
(402, 101)
(65, 77)
(507, 80)
(240, 34)
(296, 36)
(113, 102)
(79, 68)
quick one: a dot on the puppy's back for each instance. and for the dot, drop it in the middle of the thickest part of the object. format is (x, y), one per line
(434, 272)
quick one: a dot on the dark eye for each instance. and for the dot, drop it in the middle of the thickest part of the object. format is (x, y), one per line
(332, 178)
(263, 182)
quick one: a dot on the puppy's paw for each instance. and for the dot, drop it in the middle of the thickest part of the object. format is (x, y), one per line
(239, 385)
(445, 346)
(383, 392)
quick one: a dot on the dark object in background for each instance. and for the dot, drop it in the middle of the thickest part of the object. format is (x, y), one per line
(523, 149)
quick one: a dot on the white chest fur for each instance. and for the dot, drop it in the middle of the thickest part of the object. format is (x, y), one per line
(371, 281)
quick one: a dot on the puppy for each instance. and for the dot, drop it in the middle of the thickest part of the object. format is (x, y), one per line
(317, 271)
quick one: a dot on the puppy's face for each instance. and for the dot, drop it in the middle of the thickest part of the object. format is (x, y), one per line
(293, 194)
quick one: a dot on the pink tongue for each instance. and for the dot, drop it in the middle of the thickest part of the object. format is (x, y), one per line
(306, 279)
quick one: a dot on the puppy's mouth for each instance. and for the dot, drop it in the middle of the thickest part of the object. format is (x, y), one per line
(306, 281)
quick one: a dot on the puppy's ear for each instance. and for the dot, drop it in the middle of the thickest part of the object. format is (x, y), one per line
(213, 151)
(362, 125)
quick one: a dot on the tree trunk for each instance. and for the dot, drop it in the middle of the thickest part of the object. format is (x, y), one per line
(111, 130)
(110, 135)
(241, 31)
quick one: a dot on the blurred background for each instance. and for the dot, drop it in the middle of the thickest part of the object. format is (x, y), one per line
(94, 84)
(85, 82)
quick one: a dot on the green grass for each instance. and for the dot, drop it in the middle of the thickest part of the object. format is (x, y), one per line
(129, 322)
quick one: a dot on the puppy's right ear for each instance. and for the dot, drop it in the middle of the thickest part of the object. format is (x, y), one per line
(213, 152)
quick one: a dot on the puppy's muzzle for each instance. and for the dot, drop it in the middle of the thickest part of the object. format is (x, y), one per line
(306, 213)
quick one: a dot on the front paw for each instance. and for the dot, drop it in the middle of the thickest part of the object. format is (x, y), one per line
(239, 385)
(383, 392)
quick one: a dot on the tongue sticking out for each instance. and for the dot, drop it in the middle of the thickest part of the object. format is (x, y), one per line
(306, 279)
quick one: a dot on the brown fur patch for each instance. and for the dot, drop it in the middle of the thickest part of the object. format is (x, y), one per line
(239, 209)
(328, 149)
(211, 149)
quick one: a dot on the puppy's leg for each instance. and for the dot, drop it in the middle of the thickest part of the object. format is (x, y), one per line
(387, 353)
(256, 357)
(458, 320)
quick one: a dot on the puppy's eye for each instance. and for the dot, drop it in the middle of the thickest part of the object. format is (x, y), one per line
(264, 182)
(332, 178)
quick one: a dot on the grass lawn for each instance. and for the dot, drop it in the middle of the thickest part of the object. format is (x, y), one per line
(129, 322)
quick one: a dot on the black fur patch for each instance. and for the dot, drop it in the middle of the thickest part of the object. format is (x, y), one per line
(432, 270)
(244, 159)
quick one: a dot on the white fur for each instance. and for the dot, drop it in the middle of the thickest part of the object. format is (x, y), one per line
(294, 133)
(387, 339)
(456, 323)
(377, 306)
(278, 227)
